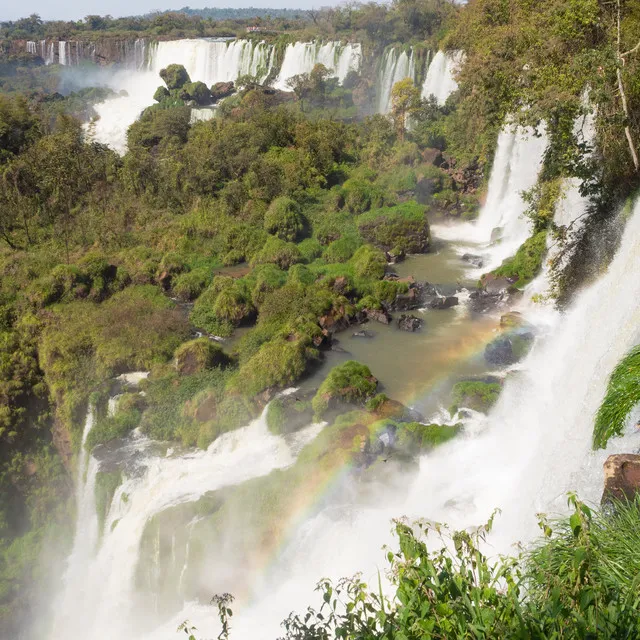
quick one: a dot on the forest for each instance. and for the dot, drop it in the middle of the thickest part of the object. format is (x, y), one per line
(270, 228)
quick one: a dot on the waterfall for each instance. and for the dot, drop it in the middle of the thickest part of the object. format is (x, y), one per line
(395, 67)
(139, 53)
(301, 57)
(99, 602)
(85, 538)
(440, 81)
(63, 58)
(49, 52)
(32, 47)
(212, 61)
(501, 226)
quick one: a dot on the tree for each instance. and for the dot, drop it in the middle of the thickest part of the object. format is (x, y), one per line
(405, 100)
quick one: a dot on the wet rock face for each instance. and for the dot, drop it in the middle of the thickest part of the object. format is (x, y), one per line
(408, 322)
(510, 348)
(621, 477)
(473, 260)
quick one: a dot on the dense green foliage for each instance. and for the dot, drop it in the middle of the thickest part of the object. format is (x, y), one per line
(273, 218)
(350, 382)
(580, 581)
(475, 394)
(623, 395)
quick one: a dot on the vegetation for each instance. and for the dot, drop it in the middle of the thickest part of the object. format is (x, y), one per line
(275, 217)
(623, 395)
(475, 394)
(350, 382)
(580, 580)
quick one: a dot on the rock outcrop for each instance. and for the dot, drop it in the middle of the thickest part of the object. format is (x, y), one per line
(621, 477)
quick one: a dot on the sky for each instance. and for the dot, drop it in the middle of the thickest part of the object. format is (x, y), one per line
(76, 9)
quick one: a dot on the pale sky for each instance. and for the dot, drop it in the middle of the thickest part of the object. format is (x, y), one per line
(76, 9)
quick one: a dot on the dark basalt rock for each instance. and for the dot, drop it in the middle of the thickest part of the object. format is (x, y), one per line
(621, 477)
(473, 260)
(408, 322)
(509, 349)
(440, 302)
(363, 333)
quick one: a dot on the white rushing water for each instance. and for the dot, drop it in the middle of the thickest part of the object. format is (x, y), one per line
(97, 600)
(209, 61)
(301, 57)
(501, 226)
(395, 66)
(440, 81)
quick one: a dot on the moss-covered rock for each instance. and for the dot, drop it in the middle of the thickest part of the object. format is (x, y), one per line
(415, 437)
(196, 91)
(403, 227)
(342, 249)
(510, 347)
(161, 93)
(107, 482)
(479, 395)
(525, 265)
(125, 419)
(348, 383)
(198, 355)
(284, 220)
(289, 413)
(175, 76)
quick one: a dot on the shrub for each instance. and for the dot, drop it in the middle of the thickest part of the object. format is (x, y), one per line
(283, 219)
(276, 364)
(188, 286)
(300, 274)
(310, 249)
(125, 419)
(342, 249)
(198, 355)
(277, 251)
(196, 91)
(415, 437)
(348, 382)
(404, 227)
(369, 262)
(161, 93)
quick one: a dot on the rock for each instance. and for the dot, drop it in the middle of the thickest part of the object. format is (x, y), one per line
(407, 301)
(199, 355)
(496, 284)
(509, 349)
(473, 260)
(222, 90)
(291, 412)
(430, 155)
(441, 302)
(512, 319)
(341, 285)
(408, 322)
(379, 315)
(175, 76)
(395, 255)
(362, 333)
(621, 477)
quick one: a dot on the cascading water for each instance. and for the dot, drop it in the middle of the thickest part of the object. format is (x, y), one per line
(440, 81)
(99, 601)
(501, 226)
(32, 47)
(301, 57)
(85, 538)
(395, 67)
(63, 58)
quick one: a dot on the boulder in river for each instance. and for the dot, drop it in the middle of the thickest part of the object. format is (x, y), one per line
(409, 322)
(509, 348)
(378, 315)
(621, 477)
(473, 260)
(441, 302)
(363, 333)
